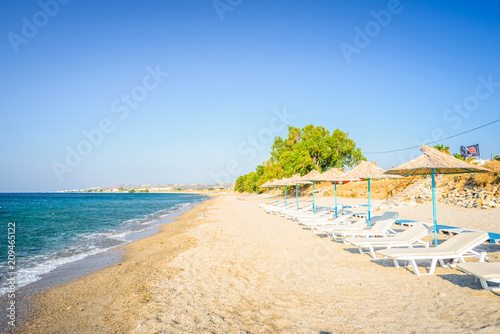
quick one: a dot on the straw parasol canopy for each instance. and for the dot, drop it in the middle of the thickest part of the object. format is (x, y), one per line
(365, 170)
(440, 162)
(312, 174)
(291, 181)
(331, 175)
(267, 184)
(274, 183)
(434, 162)
(309, 177)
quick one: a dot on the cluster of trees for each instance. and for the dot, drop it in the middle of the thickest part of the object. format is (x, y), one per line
(312, 147)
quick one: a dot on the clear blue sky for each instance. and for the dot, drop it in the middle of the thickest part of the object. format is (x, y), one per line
(390, 84)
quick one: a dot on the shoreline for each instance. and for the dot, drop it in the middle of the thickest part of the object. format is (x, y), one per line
(70, 263)
(26, 296)
(240, 269)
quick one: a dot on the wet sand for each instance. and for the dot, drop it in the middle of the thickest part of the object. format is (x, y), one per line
(242, 270)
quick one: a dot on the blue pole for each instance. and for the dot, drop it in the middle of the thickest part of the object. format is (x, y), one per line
(297, 196)
(276, 195)
(434, 208)
(313, 197)
(285, 194)
(369, 214)
(335, 199)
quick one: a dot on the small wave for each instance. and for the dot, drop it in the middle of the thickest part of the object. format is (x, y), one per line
(88, 244)
(27, 276)
(121, 236)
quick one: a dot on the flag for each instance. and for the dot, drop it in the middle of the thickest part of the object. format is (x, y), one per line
(469, 151)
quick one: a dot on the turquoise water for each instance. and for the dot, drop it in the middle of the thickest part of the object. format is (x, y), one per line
(57, 228)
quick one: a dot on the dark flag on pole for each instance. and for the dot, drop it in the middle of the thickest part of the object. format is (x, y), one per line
(469, 151)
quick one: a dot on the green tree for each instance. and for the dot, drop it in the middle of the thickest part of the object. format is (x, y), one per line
(239, 185)
(442, 148)
(459, 156)
(312, 147)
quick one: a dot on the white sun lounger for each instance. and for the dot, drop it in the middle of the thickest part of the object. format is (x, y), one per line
(320, 225)
(486, 272)
(380, 228)
(329, 229)
(327, 214)
(318, 212)
(408, 238)
(269, 207)
(277, 210)
(293, 209)
(456, 248)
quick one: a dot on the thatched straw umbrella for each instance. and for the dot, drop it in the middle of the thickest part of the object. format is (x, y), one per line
(294, 180)
(366, 170)
(331, 175)
(275, 184)
(267, 185)
(308, 177)
(435, 162)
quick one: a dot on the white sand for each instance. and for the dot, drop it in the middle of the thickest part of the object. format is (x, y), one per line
(261, 273)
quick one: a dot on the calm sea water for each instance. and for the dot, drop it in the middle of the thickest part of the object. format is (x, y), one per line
(54, 229)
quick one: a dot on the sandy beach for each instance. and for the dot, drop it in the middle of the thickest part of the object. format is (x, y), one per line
(241, 270)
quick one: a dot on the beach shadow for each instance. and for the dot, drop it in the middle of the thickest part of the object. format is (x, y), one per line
(464, 281)
(488, 248)
(353, 251)
(423, 265)
(386, 263)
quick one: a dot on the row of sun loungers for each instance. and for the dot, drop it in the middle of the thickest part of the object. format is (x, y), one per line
(407, 246)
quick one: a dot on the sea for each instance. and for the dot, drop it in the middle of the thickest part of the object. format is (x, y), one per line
(53, 229)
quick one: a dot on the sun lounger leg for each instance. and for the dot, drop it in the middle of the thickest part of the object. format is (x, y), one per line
(415, 268)
(482, 256)
(484, 284)
(396, 263)
(433, 265)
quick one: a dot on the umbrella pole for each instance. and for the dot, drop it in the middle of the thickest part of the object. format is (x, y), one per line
(313, 197)
(369, 214)
(434, 208)
(297, 196)
(335, 199)
(269, 195)
(276, 195)
(285, 195)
